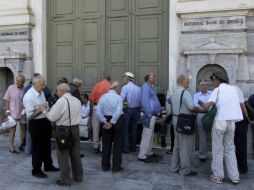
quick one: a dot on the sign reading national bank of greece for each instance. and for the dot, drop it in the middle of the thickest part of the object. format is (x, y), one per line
(214, 23)
(18, 34)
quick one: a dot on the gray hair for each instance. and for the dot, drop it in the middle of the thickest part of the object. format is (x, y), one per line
(114, 84)
(64, 87)
(181, 78)
(38, 79)
(77, 80)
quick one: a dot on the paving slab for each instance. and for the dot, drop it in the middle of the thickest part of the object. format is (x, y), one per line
(15, 173)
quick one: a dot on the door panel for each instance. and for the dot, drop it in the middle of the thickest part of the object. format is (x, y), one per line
(89, 37)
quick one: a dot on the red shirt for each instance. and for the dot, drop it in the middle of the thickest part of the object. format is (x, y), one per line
(98, 90)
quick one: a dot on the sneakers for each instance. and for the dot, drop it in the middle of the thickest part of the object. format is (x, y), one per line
(215, 179)
(236, 182)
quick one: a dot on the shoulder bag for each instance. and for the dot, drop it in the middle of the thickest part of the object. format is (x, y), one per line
(185, 122)
(208, 118)
(64, 137)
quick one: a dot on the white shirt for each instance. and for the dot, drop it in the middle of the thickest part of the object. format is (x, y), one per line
(227, 103)
(32, 99)
(85, 110)
(59, 112)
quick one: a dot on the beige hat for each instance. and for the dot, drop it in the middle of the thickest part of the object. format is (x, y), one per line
(129, 75)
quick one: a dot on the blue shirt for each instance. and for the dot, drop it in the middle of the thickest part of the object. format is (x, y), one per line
(131, 93)
(204, 97)
(149, 101)
(110, 104)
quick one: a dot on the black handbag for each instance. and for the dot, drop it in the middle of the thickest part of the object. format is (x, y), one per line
(64, 137)
(185, 122)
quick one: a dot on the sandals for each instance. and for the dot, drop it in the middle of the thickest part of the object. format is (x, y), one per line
(216, 179)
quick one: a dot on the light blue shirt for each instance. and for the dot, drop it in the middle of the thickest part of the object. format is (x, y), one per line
(110, 104)
(131, 93)
(204, 97)
(149, 101)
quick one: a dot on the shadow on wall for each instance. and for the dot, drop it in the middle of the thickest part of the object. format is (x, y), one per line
(7, 78)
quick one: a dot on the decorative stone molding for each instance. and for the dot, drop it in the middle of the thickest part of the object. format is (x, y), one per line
(13, 60)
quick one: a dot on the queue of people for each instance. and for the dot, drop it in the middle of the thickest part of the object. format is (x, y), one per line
(111, 113)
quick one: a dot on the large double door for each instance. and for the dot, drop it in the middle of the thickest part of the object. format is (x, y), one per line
(89, 37)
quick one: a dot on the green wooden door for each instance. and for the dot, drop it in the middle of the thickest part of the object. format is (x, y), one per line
(89, 37)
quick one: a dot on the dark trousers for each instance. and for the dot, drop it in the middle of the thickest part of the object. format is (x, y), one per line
(161, 128)
(72, 155)
(172, 135)
(40, 130)
(109, 136)
(129, 131)
(241, 145)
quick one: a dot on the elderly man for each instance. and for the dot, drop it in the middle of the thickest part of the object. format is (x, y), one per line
(59, 113)
(226, 99)
(13, 106)
(39, 128)
(74, 86)
(202, 95)
(183, 145)
(110, 112)
(150, 106)
(98, 90)
(131, 95)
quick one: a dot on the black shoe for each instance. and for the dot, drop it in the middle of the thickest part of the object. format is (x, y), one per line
(97, 151)
(21, 149)
(118, 170)
(148, 159)
(13, 151)
(61, 183)
(192, 173)
(154, 155)
(81, 155)
(77, 180)
(170, 151)
(52, 169)
(126, 152)
(202, 159)
(40, 174)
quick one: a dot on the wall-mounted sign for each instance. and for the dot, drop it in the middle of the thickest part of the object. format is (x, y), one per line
(213, 23)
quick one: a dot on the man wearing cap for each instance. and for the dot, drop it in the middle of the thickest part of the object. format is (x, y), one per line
(203, 95)
(226, 99)
(109, 111)
(131, 95)
(98, 90)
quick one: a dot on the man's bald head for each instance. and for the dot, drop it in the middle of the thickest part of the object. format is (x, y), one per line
(183, 80)
(62, 89)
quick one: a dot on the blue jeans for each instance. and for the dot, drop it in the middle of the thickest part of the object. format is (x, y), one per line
(131, 116)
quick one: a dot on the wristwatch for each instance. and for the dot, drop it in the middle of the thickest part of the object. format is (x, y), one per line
(44, 111)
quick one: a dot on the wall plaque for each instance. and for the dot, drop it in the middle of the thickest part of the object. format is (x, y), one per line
(213, 23)
(20, 34)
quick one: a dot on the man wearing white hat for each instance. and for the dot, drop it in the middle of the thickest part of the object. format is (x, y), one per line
(131, 95)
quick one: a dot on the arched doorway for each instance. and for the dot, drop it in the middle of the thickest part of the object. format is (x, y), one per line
(7, 78)
(205, 73)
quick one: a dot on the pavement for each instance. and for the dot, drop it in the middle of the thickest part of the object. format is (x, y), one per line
(15, 173)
